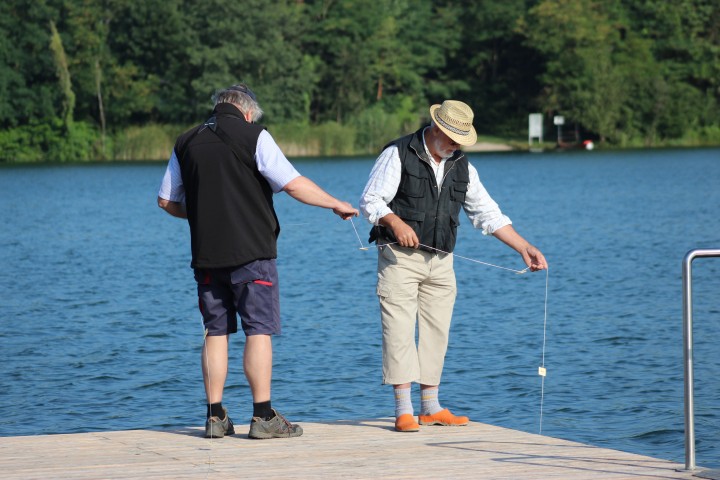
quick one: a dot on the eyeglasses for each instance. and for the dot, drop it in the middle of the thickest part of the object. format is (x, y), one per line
(242, 88)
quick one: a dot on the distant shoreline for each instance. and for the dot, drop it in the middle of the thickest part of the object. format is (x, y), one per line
(488, 147)
(294, 150)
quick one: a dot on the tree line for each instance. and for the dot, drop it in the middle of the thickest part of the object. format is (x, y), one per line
(100, 79)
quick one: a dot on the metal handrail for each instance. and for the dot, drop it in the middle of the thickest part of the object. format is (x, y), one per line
(688, 348)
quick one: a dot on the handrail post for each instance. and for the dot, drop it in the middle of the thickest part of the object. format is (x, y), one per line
(688, 352)
(688, 361)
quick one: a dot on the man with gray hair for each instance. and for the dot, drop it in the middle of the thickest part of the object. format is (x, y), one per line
(221, 177)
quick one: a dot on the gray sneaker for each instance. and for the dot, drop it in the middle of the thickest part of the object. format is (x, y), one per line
(276, 427)
(216, 428)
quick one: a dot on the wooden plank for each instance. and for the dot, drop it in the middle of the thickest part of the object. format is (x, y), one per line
(362, 449)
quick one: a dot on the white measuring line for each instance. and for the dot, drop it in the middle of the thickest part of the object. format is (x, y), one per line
(542, 371)
(362, 247)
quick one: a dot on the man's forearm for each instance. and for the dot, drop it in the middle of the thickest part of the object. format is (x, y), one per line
(176, 209)
(306, 191)
(509, 236)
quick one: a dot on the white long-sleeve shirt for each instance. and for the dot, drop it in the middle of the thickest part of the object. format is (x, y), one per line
(384, 181)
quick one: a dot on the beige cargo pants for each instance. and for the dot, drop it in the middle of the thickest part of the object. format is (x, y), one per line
(414, 287)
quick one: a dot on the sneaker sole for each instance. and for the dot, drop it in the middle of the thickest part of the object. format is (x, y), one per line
(220, 434)
(267, 436)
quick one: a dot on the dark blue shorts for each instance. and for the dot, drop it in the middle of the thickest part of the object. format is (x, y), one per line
(250, 291)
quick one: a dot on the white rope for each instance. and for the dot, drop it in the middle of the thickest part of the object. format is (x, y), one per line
(478, 261)
(542, 371)
(358, 235)
(362, 247)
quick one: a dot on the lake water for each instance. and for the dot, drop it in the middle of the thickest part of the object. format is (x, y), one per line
(100, 329)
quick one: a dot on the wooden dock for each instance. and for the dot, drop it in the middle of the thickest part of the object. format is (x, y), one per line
(361, 449)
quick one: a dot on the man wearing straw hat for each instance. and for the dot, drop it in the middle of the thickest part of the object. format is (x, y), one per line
(413, 198)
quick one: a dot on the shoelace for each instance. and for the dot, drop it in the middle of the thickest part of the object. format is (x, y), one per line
(288, 425)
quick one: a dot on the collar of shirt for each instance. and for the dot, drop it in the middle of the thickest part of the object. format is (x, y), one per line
(438, 168)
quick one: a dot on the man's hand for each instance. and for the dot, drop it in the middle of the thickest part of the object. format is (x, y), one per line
(306, 191)
(345, 211)
(534, 259)
(405, 235)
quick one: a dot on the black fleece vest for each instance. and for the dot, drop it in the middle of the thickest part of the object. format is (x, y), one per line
(431, 212)
(229, 203)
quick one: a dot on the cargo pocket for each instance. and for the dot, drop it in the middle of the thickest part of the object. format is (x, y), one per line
(392, 293)
(258, 272)
(412, 184)
(413, 218)
(383, 291)
(458, 192)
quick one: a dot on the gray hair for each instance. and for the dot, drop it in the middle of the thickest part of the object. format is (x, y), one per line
(242, 97)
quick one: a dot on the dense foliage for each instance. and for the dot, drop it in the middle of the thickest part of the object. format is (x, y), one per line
(81, 79)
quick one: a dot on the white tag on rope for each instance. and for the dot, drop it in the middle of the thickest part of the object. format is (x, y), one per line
(362, 247)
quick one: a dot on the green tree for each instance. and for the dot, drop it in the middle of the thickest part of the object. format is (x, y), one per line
(27, 73)
(372, 52)
(65, 83)
(501, 71)
(87, 24)
(11, 57)
(583, 78)
(148, 75)
(256, 42)
(684, 37)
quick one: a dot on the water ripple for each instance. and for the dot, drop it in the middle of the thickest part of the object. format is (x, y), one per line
(115, 335)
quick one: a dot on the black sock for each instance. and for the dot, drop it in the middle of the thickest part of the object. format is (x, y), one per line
(263, 410)
(215, 410)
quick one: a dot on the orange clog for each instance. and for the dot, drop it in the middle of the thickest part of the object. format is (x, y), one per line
(406, 423)
(443, 417)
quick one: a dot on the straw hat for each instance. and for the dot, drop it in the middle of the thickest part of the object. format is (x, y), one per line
(455, 118)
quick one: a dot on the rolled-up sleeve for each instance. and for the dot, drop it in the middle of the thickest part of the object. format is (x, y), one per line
(483, 212)
(172, 187)
(381, 186)
(272, 163)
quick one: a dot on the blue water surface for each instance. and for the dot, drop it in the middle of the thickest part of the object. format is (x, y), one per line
(100, 328)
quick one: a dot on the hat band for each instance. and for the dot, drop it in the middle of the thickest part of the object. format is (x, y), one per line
(464, 133)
